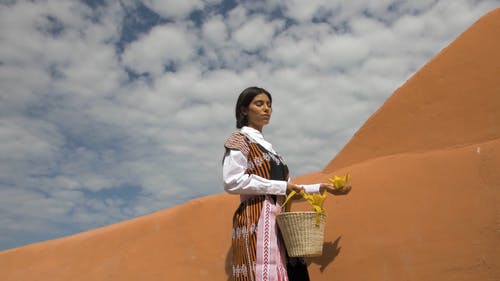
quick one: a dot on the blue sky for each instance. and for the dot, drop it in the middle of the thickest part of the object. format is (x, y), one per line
(115, 109)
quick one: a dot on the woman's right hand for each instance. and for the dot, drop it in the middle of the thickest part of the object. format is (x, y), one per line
(293, 187)
(335, 191)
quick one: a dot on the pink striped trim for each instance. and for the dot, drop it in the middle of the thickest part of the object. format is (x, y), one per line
(270, 259)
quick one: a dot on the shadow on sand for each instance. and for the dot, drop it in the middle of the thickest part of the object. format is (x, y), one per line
(330, 251)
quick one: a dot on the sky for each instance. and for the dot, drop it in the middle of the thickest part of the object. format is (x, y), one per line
(110, 110)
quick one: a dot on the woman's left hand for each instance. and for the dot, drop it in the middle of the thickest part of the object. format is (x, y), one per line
(335, 191)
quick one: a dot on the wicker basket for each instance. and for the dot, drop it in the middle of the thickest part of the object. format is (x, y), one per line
(303, 237)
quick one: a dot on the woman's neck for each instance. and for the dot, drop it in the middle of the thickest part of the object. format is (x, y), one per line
(256, 127)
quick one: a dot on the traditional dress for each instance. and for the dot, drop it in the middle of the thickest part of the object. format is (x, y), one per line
(254, 170)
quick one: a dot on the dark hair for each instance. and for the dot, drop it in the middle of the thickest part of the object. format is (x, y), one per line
(244, 100)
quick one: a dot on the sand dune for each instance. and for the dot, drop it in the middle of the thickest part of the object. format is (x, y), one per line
(179, 243)
(451, 101)
(425, 205)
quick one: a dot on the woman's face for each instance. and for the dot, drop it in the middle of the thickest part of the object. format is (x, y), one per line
(259, 111)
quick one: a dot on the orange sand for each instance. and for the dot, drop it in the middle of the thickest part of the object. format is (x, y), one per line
(425, 205)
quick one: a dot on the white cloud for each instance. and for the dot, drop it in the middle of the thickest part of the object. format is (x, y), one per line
(291, 51)
(237, 17)
(28, 139)
(173, 8)
(342, 52)
(215, 31)
(256, 33)
(162, 45)
(303, 10)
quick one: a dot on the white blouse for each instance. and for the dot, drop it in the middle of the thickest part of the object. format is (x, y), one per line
(237, 181)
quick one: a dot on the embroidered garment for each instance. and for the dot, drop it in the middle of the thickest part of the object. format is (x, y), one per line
(258, 250)
(235, 166)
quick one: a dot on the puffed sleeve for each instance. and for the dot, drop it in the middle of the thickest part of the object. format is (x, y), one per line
(234, 171)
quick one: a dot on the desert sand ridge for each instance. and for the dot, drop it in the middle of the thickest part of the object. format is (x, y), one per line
(161, 246)
(451, 101)
(426, 202)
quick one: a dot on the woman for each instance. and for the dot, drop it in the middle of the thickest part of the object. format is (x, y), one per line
(253, 169)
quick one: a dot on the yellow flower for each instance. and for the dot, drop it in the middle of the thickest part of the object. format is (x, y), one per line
(316, 200)
(339, 182)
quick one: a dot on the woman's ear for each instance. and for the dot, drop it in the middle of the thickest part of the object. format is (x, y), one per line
(244, 110)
